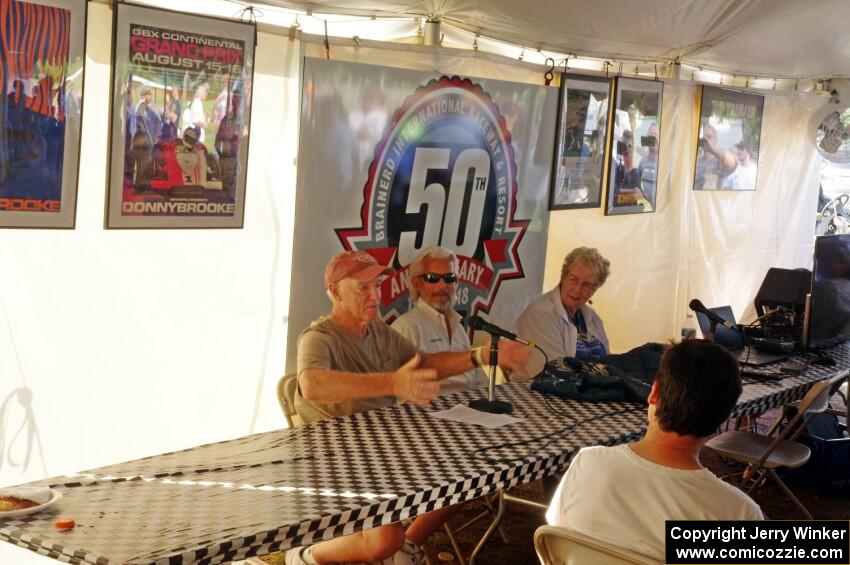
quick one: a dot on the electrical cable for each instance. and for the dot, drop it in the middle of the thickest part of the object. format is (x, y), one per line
(552, 437)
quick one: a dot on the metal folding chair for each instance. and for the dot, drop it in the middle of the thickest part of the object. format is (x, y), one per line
(778, 448)
(286, 397)
(560, 546)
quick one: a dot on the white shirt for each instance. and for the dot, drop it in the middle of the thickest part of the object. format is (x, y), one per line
(426, 328)
(545, 322)
(615, 495)
(197, 116)
(742, 178)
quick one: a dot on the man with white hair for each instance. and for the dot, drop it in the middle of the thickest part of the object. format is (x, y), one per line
(432, 324)
(351, 361)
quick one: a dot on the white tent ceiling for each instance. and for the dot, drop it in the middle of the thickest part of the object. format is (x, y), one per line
(796, 39)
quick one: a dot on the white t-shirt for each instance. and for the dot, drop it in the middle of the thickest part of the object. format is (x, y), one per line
(615, 495)
(742, 178)
(197, 116)
(426, 327)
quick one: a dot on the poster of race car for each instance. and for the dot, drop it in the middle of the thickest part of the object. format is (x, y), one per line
(42, 53)
(181, 107)
(633, 169)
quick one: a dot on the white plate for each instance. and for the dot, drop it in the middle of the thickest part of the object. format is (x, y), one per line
(55, 496)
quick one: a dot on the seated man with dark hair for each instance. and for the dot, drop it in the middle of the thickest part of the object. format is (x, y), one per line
(622, 495)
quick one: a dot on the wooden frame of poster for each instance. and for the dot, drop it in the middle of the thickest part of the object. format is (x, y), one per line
(634, 147)
(175, 161)
(41, 75)
(578, 167)
(729, 138)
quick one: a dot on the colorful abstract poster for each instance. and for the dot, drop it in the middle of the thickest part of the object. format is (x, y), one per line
(42, 46)
(181, 110)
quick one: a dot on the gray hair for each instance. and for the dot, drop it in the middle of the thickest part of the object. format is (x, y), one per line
(416, 266)
(590, 257)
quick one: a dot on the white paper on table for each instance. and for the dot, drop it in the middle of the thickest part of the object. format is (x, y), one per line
(467, 415)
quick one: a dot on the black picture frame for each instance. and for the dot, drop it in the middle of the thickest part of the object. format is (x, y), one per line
(578, 165)
(632, 186)
(728, 140)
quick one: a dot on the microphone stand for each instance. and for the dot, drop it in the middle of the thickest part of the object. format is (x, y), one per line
(712, 329)
(491, 404)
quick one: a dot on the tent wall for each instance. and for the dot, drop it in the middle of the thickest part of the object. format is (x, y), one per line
(712, 245)
(137, 342)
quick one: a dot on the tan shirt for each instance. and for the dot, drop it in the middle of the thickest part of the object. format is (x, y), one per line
(325, 345)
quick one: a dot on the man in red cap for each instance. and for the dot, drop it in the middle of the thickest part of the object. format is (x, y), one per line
(351, 361)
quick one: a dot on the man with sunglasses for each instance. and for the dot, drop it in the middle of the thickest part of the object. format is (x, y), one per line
(432, 324)
(351, 361)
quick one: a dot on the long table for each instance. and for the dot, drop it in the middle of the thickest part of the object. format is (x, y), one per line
(267, 492)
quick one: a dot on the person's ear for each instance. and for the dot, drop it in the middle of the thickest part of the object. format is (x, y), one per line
(652, 399)
(333, 291)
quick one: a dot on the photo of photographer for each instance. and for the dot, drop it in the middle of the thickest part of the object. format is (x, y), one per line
(627, 186)
(729, 138)
(633, 178)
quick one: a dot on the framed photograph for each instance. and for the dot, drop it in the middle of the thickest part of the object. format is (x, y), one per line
(42, 54)
(181, 107)
(579, 162)
(729, 139)
(633, 166)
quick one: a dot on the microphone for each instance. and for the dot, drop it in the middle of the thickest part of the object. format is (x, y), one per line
(698, 306)
(479, 323)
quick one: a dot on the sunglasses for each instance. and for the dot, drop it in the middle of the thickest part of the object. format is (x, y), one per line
(432, 278)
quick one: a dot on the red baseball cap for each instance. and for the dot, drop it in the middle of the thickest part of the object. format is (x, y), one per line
(357, 265)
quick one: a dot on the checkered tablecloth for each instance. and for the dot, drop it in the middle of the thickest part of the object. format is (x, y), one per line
(265, 492)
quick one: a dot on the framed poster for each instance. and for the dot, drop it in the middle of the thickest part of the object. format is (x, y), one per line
(42, 54)
(729, 139)
(633, 168)
(181, 107)
(579, 161)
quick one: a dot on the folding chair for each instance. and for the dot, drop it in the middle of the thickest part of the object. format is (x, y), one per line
(560, 546)
(286, 396)
(778, 448)
(837, 387)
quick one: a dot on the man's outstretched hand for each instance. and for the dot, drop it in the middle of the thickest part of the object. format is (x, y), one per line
(512, 355)
(415, 385)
